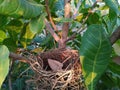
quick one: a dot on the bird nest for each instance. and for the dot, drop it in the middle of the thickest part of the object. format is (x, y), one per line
(57, 69)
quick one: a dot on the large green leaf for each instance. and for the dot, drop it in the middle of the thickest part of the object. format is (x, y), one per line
(112, 4)
(18, 8)
(95, 54)
(4, 63)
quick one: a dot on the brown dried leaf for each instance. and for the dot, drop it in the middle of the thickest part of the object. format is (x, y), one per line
(55, 65)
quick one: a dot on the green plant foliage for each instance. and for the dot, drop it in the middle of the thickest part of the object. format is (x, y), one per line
(4, 63)
(11, 44)
(37, 24)
(57, 7)
(2, 36)
(95, 54)
(19, 8)
(63, 20)
(109, 81)
(93, 19)
(115, 68)
(112, 17)
(112, 5)
(26, 36)
(47, 41)
(14, 28)
(3, 20)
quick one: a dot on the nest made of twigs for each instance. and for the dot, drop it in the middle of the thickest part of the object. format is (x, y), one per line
(68, 78)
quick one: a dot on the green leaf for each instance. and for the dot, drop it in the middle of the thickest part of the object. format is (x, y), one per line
(113, 18)
(4, 63)
(2, 35)
(57, 7)
(112, 5)
(63, 19)
(37, 24)
(19, 8)
(93, 18)
(26, 36)
(95, 54)
(108, 25)
(115, 68)
(3, 20)
(79, 17)
(11, 44)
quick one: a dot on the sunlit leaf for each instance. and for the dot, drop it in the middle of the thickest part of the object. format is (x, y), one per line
(37, 50)
(4, 63)
(27, 36)
(95, 54)
(2, 35)
(79, 17)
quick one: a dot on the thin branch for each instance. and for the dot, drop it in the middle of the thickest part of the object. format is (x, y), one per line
(115, 36)
(49, 16)
(15, 56)
(50, 29)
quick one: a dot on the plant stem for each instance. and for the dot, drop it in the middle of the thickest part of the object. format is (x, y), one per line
(65, 28)
(49, 28)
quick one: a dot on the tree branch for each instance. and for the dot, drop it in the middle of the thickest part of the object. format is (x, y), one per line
(115, 36)
(19, 57)
(65, 28)
(49, 16)
(49, 28)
